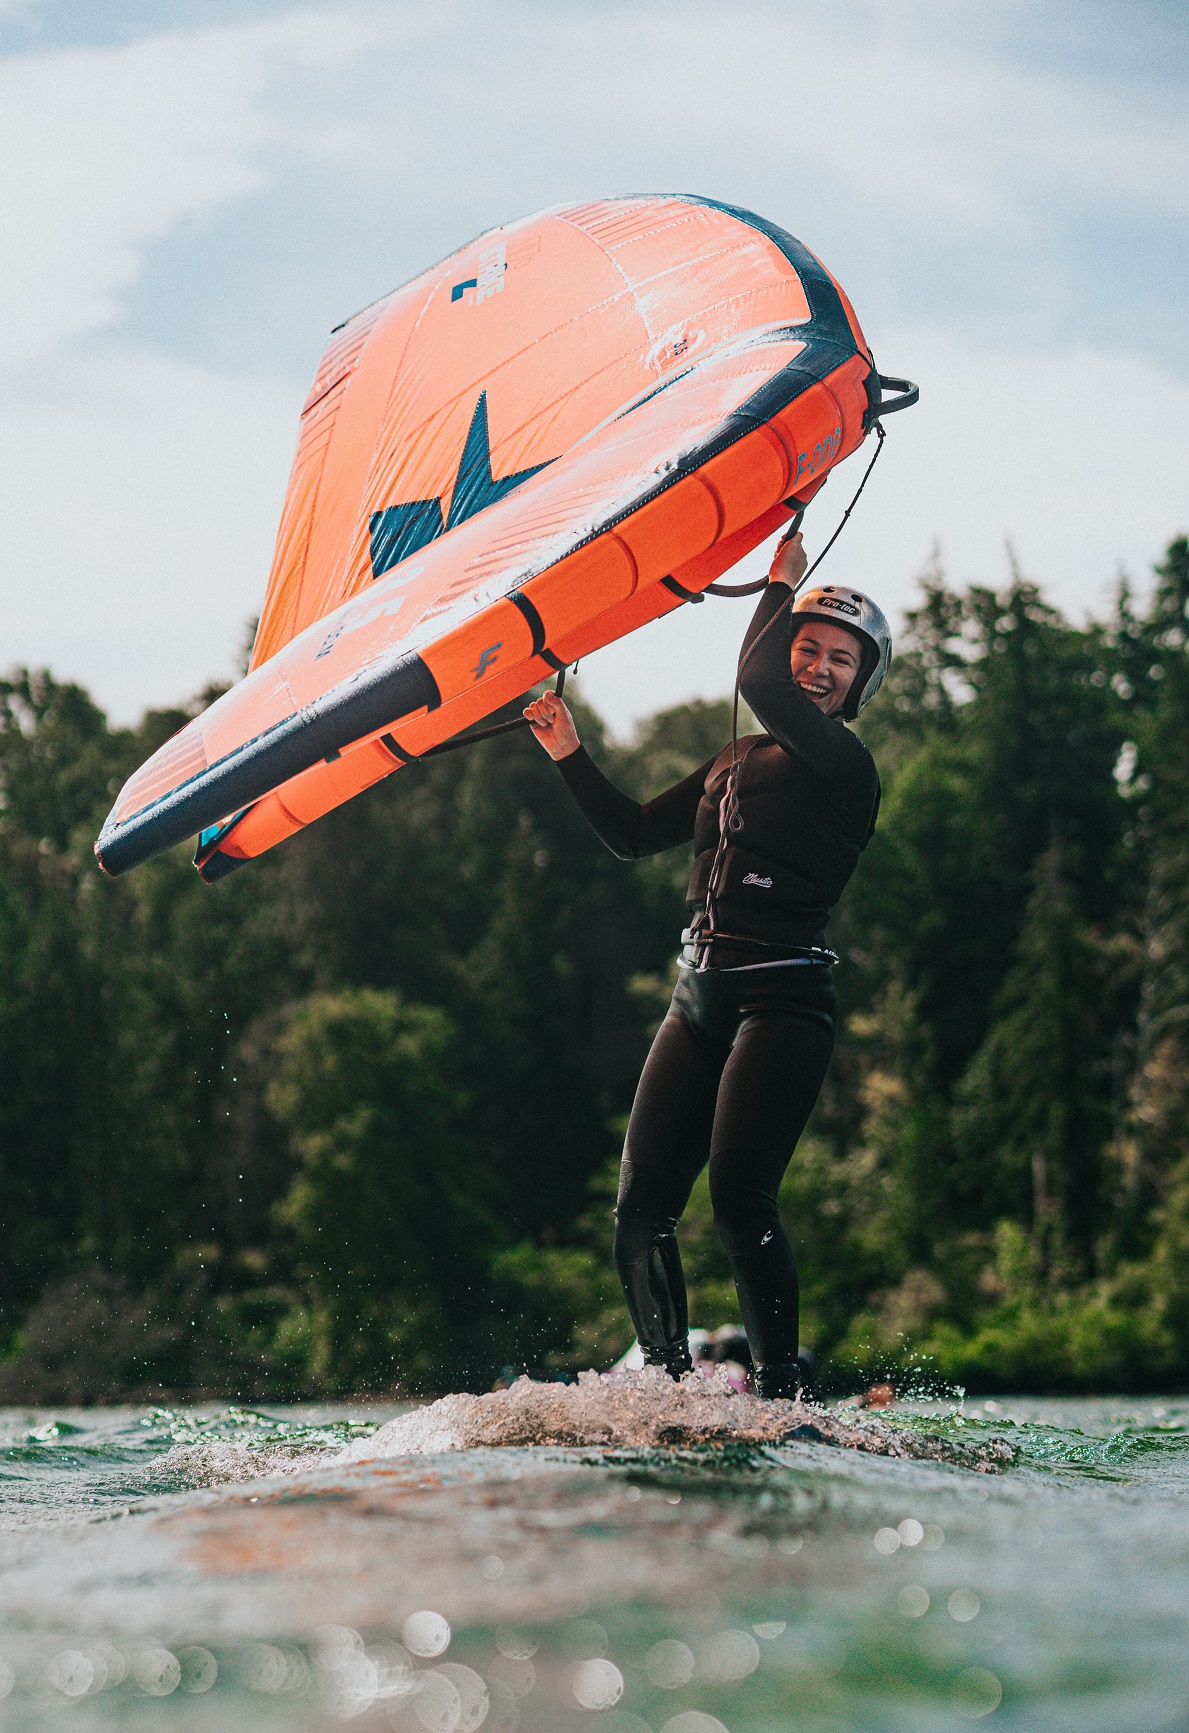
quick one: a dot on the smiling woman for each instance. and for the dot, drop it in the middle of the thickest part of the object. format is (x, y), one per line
(778, 822)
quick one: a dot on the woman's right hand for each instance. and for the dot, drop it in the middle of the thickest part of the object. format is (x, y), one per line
(790, 562)
(553, 725)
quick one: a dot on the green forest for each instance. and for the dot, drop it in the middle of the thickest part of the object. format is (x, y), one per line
(348, 1122)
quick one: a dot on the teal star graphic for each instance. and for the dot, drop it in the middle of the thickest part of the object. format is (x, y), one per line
(399, 530)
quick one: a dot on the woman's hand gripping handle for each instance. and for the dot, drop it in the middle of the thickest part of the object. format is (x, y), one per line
(553, 725)
(790, 562)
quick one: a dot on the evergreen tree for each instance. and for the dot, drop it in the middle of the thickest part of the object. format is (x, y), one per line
(1032, 1113)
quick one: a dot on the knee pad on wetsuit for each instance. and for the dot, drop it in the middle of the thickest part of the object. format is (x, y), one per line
(649, 1266)
(636, 1235)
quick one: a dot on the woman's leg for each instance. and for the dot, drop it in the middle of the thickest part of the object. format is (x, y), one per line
(667, 1146)
(768, 1089)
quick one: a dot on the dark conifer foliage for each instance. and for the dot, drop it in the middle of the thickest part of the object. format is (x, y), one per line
(348, 1120)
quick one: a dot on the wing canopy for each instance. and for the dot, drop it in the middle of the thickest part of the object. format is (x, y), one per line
(467, 505)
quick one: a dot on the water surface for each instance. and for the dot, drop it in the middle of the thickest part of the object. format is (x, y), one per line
(621, 1558)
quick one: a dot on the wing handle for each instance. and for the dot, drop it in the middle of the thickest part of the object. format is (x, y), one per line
(758, 584)
(909, 394)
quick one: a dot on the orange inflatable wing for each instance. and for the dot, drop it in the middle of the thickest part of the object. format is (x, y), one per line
(559, 433)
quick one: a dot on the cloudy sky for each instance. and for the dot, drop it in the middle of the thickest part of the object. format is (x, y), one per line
(192, 192)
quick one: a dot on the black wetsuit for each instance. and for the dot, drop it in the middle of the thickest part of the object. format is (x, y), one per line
(738, 1063)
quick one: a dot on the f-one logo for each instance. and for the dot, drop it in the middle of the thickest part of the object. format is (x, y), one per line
(486, 658)
(493, 263)
(351, 619)
(823, 453)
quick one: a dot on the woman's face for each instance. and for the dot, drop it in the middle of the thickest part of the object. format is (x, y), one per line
(825, 660)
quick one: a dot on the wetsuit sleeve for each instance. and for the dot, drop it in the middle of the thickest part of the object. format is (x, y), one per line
(826, 745)
(629, 829)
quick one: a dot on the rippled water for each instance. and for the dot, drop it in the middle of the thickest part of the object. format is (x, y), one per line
(620, 1557)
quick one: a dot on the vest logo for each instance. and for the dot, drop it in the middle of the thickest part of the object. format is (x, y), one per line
(837, 604)
(764, 884)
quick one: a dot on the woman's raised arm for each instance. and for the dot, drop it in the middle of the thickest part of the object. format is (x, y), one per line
(628, 829)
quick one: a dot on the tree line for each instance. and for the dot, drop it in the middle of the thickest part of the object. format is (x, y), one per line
(349, 1120)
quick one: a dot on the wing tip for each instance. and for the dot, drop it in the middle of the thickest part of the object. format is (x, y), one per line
(347, 713)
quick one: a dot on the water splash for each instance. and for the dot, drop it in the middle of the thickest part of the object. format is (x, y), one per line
(241, 1444)
(81, 1464)
(1114, 1447)
(649, 1410)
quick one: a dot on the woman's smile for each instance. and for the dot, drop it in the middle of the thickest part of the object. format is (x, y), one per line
(819, 691)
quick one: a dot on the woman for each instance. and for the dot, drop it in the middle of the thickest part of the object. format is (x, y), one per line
(778, 825)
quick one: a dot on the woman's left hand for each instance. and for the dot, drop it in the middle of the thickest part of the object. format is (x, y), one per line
(790, 564)
(551, 722)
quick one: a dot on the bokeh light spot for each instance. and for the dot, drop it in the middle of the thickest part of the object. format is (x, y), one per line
(426, 1634)
(516, 1645)
(976, 1693)
(964, 1605)
(473, 1697)
(669, 1664)
(71, 1672)
(199, 1669)
(693, 1721)
(729, 1655)
(156, 1671)
(518, 1675)
(437, 1703)
(598, 1684)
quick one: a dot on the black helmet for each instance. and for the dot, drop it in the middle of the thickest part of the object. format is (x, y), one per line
(835, 605)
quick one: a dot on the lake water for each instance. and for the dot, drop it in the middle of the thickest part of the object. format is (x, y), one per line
(619, 1557)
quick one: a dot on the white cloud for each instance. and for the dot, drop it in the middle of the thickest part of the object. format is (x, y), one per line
(105, 150)
(140, 499)
(926, 127)
(463, 102)
(1079, 457)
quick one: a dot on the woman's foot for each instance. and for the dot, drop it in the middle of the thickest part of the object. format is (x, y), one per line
(675, 1358)
(790, 1380)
